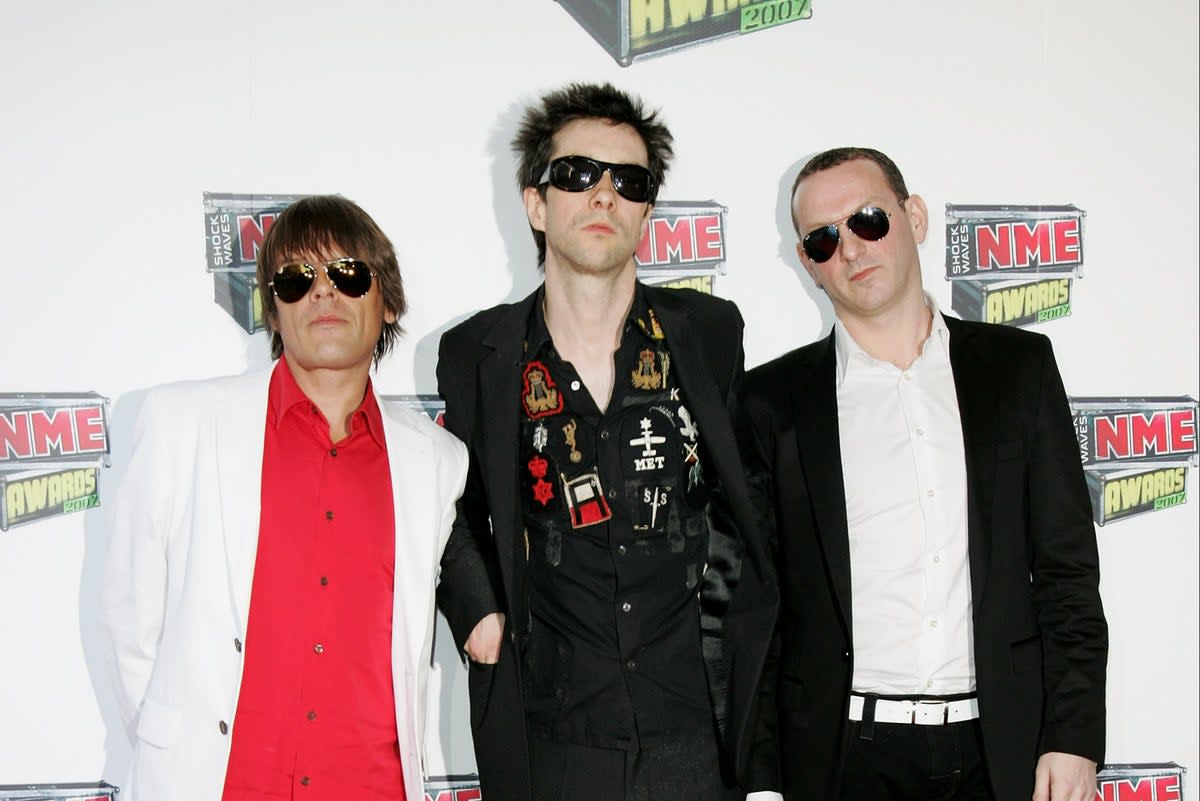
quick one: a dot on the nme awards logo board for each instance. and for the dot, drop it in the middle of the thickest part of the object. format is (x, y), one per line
(52, 446)
(1135, 452)
(630, 30)
(1161, 781)
(70, 791)
(684, 245)
(453, 788)
(234, 227)
(1013, 265)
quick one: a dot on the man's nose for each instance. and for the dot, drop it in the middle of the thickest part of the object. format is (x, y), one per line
(849, 243)
(321, 284)
(604, 192)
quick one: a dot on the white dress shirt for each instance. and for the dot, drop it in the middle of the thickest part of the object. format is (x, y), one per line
(904, 472)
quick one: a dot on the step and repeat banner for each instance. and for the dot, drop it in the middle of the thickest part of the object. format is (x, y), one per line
(150, 149)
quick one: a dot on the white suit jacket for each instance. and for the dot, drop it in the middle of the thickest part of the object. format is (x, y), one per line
(177, 590)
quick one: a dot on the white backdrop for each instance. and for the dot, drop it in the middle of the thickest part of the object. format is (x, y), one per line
(118, 115)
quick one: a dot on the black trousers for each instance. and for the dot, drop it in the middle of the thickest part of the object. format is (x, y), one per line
(906, 762)
(684, 767)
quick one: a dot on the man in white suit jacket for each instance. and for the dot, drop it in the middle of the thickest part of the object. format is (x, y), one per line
(187, 551)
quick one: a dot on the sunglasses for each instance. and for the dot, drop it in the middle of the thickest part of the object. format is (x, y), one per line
(580, 173)
(869, 223)
(351, 277)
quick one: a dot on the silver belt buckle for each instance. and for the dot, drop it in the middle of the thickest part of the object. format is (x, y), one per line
(945, 711)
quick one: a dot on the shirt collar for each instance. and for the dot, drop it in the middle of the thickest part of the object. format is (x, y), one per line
(285, 395)
(641, 318)
(850, 353)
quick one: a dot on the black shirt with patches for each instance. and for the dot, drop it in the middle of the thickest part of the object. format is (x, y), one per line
(616, 532)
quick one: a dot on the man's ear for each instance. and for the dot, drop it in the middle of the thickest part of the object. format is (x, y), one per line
(918, 217)
(535, 208)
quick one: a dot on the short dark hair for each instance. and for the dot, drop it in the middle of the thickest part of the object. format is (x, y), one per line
(328, 224)
(534, 141)
(840, 155)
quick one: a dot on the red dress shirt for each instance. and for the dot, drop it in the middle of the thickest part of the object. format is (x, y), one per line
(316, 714)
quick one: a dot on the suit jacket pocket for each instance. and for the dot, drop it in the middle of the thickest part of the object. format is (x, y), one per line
(480, 677)
(158, 725)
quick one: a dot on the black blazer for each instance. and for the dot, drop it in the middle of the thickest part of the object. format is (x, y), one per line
(483, 568)
(1041, 641)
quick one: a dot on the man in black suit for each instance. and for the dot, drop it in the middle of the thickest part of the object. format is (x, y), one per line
(613, 638)
(940, 631)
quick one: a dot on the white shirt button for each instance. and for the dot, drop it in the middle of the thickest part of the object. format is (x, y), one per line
(920, 432)
(575, 385)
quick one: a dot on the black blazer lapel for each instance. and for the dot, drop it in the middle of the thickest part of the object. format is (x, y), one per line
(971, 362)
(818, 440)
(699, 385)
(499, 392)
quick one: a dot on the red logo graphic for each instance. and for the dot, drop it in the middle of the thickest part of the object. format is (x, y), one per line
(252, 230)
(681, 240)
(1024, 244)
(462, 794)
(1147, 788)
(1141, 434)
(42, 433)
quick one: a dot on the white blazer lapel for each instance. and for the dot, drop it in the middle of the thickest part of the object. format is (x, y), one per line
(410, 458)
(239, 457)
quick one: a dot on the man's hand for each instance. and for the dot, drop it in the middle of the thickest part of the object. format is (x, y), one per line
(1064, 777)
(483, 646)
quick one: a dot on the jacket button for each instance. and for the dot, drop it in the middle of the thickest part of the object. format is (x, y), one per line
(305, 780)
(237, 645)
(224, 727)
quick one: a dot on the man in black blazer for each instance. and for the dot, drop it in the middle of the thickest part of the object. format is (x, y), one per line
(613, 634)
(940, 631)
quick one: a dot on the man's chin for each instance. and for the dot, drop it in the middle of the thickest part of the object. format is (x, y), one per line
(328, 359)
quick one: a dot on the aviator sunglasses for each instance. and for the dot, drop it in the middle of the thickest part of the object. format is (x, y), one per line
(351, 277)
(580, 173)
(869, 223)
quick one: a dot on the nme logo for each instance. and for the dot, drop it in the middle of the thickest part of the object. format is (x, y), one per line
(42, 433)
(1147, 788)
(1022, 244)
(251, 230)
(461, 794)
(1140, 434)
(682, 240)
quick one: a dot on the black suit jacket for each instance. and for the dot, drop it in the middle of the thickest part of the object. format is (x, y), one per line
(483, 568)
(1041, 641)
